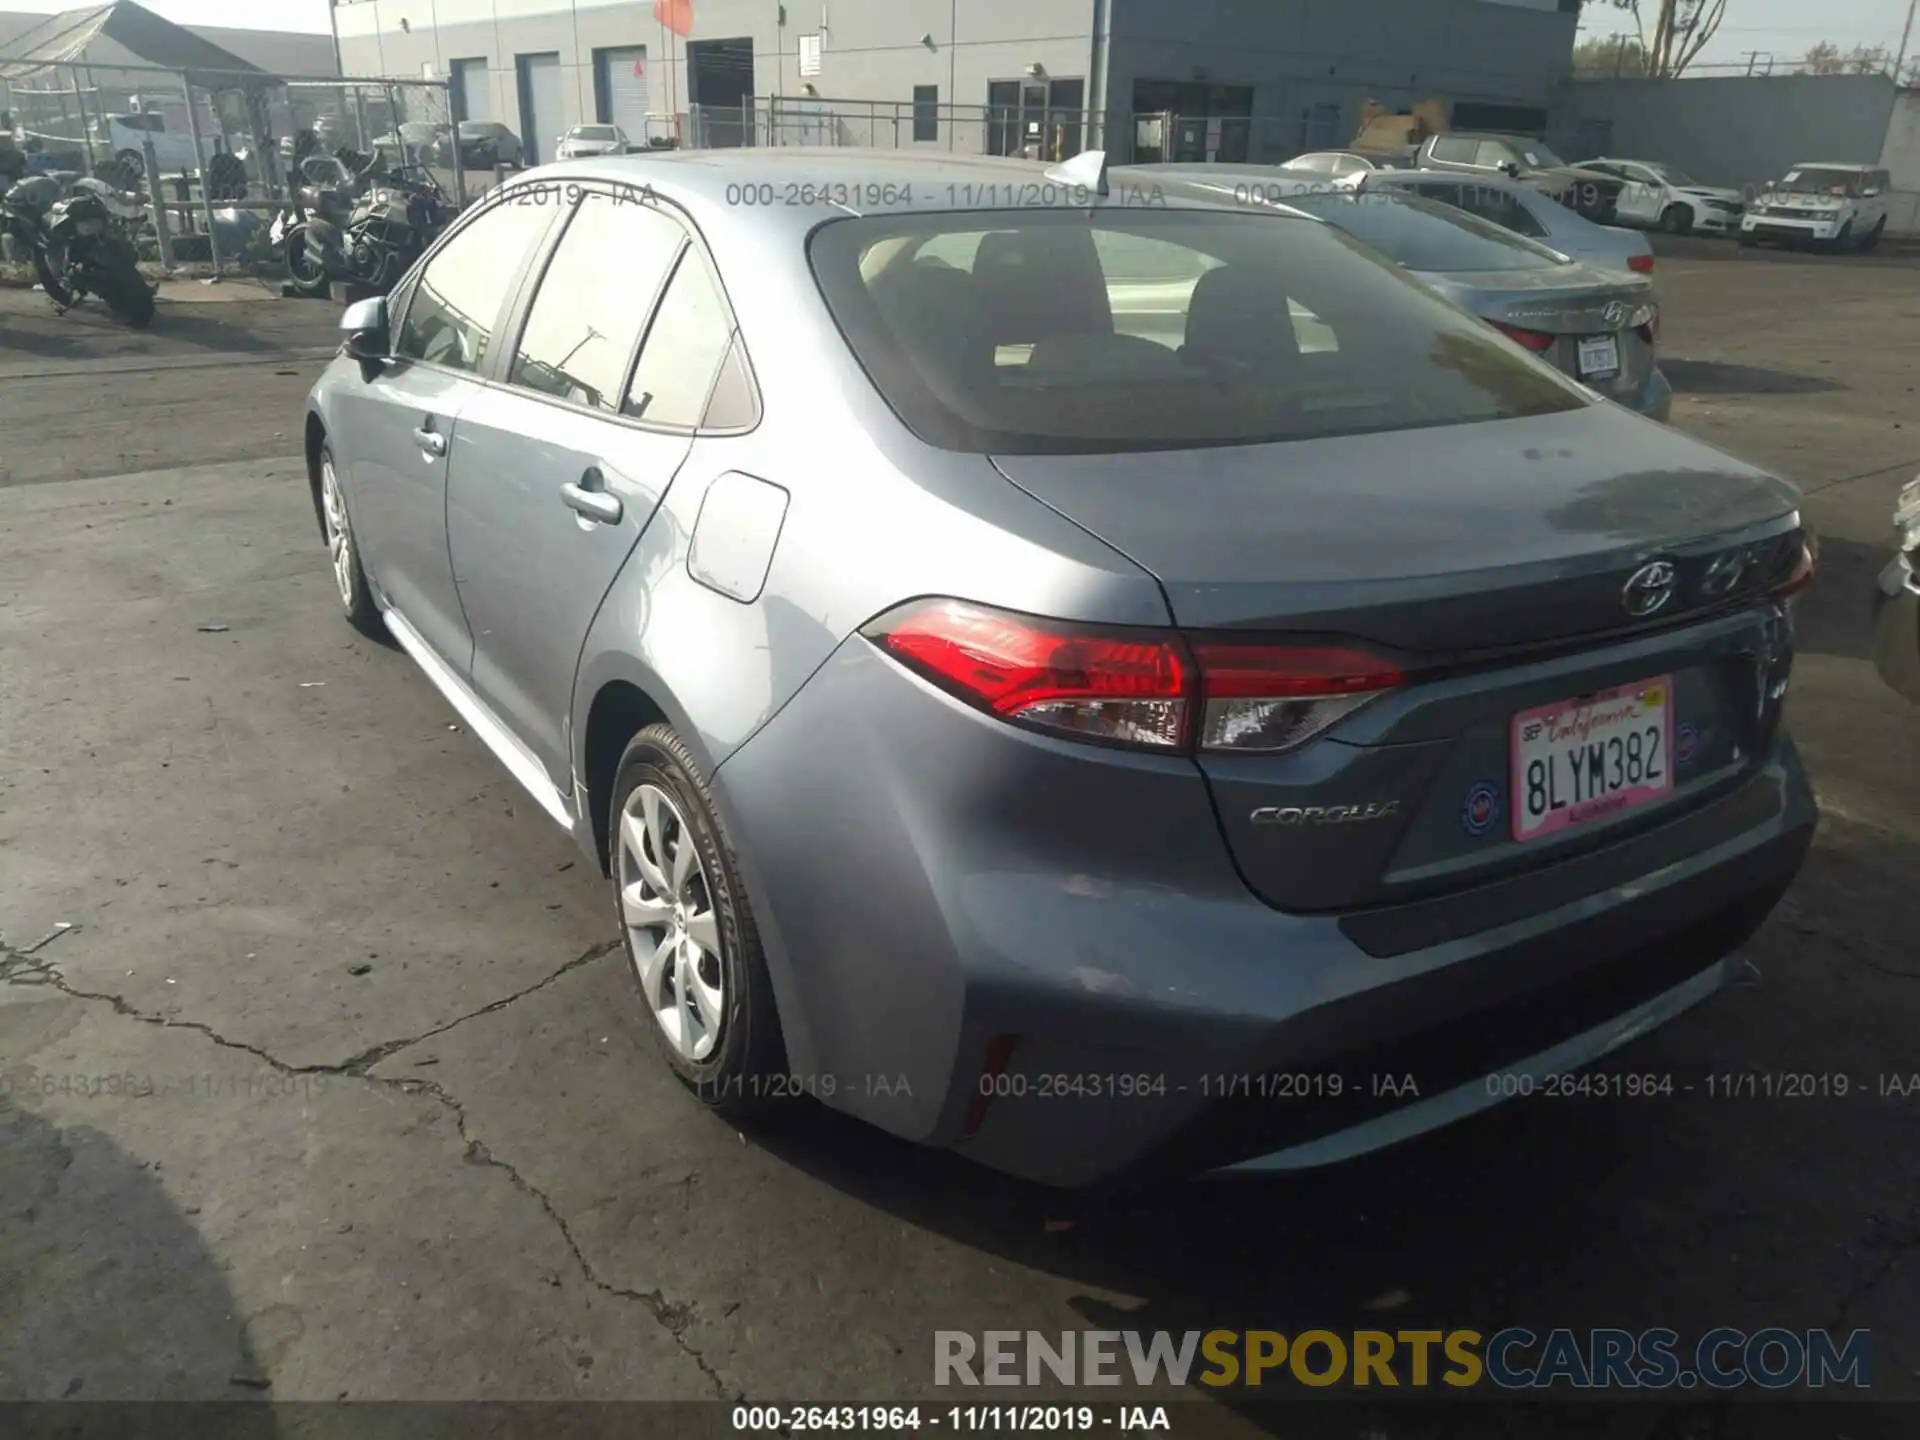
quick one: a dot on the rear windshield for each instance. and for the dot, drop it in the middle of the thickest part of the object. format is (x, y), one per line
(593, 132)
(1046, 332)
(1426, 235)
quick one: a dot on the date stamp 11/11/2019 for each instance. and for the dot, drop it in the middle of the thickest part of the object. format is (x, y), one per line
(28, 1083)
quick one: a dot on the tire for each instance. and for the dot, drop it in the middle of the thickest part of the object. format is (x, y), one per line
(55, 288)
(118, 282)
(133, 160)
(1871, 241)
(1677, 219)
(1842, 242)
(121, 175)
(730, 1051)
(226, 177)
(349, 579)
(307, 277)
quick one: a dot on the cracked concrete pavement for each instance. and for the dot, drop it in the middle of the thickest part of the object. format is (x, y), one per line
(332, 1083)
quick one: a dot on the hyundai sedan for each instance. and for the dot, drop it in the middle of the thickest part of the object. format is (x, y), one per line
(1064, 666)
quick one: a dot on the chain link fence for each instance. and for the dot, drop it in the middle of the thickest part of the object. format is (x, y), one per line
(212, 155)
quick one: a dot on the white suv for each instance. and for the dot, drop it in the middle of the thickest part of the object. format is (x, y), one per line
(1839, 207)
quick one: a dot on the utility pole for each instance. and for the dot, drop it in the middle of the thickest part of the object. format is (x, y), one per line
(1900, 60)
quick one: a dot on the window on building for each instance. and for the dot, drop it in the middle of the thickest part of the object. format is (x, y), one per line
(1320, 127)
(594, 301)
(456, 305)
(926, 112)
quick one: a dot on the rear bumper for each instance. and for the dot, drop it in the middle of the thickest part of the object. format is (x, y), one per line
(931, 884)
(1896, 631)
(1776, 228)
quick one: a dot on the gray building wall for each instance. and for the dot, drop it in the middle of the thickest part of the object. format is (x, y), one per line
(1293, 52)
(1299, 53)
(1732, 130)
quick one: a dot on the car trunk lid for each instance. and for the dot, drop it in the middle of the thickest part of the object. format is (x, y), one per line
(1591, 325)
(1497, 579)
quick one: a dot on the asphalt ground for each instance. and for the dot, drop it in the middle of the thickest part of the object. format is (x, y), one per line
(383, 1120)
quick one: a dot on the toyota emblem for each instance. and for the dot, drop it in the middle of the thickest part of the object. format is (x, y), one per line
(1649, 589)
(1615, 314)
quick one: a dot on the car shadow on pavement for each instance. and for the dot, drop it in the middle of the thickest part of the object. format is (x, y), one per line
(1836, 617)
(1717, 377)
(109, 1293)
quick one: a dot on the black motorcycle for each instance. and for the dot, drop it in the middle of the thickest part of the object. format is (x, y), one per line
(394, 217)
(77, 236)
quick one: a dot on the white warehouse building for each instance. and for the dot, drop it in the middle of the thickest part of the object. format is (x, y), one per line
(1247, 79)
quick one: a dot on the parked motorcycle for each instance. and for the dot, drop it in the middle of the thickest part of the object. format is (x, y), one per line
(78, 237)
(394, 217)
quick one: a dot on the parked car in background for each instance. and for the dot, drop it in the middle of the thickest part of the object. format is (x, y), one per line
(1593, 193)
(1834, 207)
(961, 688)
(583, 142)
(1336, 164)
(1662, 196)
(413, 142)
(1896, 644)
(127, 137)
(487, 144)
(1517, 206)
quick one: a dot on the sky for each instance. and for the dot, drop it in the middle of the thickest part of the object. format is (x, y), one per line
(1785, 28)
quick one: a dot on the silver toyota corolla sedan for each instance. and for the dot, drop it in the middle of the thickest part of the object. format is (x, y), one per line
(1065, 666)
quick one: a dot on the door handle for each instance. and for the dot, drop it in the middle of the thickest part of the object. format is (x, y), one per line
(594, 504)
(431, 441)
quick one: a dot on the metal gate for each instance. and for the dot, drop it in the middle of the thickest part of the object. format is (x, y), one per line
(623, 88)
(542, 105)
(472, 90)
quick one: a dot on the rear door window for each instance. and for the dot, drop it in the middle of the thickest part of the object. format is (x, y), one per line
(681, 357)
(1493, 154)
(1455, 150)
(1076, 333)
(594, 300)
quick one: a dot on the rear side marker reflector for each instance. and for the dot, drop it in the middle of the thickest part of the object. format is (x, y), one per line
(1640, 264)
(992, 1066)
(1143, 689)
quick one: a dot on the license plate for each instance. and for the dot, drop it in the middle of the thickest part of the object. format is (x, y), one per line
(1578, 760)
(1599, 357)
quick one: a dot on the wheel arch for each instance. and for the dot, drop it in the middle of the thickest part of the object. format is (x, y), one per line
(619, 710)
(314, 436)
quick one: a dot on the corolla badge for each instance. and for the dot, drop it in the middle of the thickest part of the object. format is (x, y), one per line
(1616, 313)
(1649, 589)
(1323, 814)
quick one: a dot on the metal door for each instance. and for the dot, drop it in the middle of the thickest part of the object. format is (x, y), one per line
(473, 90)
(625, 90)
(542, 106)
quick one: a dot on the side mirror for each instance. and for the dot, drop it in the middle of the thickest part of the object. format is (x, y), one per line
(1511, 170)
(365, 324)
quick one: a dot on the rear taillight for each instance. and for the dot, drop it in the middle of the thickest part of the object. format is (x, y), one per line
(1534, 340)
(1143, 689)
(1640, 264)
(1126, 689)
(1269, 698)
(1801, 576)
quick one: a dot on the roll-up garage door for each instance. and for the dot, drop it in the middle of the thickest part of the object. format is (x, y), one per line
(473, 90)
(543, 110)
(626, 90)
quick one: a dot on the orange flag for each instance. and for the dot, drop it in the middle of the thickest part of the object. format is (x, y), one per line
(676, 15)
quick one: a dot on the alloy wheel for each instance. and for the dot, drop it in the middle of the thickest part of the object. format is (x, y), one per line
(339, 534)
(673, 934)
